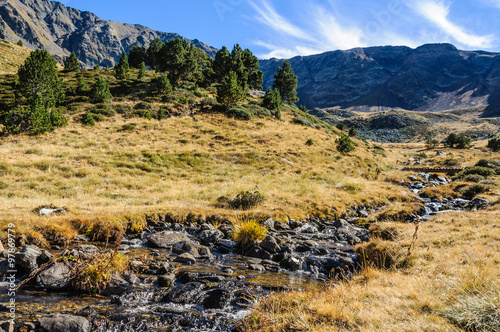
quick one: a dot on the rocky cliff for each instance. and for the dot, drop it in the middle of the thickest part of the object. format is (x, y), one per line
(60, 30)
(432, 77)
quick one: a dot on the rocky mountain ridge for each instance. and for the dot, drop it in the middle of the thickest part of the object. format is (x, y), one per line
(432, 77)
(60, 30)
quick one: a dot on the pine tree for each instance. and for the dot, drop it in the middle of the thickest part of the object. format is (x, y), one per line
(178, 60)
(142, 71)
(72, 63)
(255, 76)
(230, 93)
(20, 43)
(81, 87)
(345, 144)
(153, 53)
(136, 56)
(272, 101)
(286, 82)
(222, 64)
(122, 69)
(164, 86)
(353, 132)
(100, 91)
(88, 119)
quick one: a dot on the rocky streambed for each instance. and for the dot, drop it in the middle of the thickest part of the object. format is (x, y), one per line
(190, 276)
(182, 277)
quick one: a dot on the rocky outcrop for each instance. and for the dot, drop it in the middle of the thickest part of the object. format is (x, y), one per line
(432, 77)
(60, 30)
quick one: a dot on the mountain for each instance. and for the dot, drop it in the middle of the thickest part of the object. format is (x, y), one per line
(60, 30)
(432, 77)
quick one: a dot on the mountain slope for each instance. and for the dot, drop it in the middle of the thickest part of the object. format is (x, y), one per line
(60, 30)
(432, 77)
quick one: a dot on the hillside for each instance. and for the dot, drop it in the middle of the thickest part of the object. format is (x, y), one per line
(61, 30)
(432, 77)
(11, 57)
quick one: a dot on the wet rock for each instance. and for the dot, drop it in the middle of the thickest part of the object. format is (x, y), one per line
(216, 298)
(270, 244)
(210, 236)
(64, 323)
(256, 267)
(291, 262)
(85, 251)
(185, 258)
(192, 248)
(164, 268)
(166, 280)
(56, 277)
(225, 246)
(166, 239)
(257, 252)
(45, 257)
(131, 278)
(27, 257)
(82, 238)
(227, 230)
(294, 223)
(424, 211)
(185, 293)
(116, 286)
(477, 204)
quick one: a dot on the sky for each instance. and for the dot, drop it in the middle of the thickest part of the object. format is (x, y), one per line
(288, 28)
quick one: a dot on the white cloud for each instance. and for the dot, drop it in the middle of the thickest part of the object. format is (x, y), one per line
(438, 12)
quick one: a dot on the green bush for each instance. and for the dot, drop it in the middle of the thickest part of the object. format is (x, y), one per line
(143, 106)
(470, 192)
(483, 171)
(240, 113)
(302, 121)
(494, 144)
(473, 178)
(245, 200)
(309, 142)
(345, 144)
(88, 119)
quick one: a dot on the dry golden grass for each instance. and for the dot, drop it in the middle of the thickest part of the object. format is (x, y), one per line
(451, 279)
(181, 165)
(12, 56)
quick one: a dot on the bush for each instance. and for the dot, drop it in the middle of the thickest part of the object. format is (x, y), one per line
(457, 141)
(240, 113)
(309, 142)
(100, 91)
(247, 233)
(340, 126)
(302, 121)
(353, 132)
(431, 143)
(473, 178)
(494, 144)
(88, 119)
(469, 192)
(345, 144)
(143, 106)
(483, 171)
(245, 200)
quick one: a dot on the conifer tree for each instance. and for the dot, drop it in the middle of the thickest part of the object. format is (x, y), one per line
(136, 56)
(230, 93)
(164, 86)
(272, 101)
(81, 87)
(20, 43)
(222, 64)
(153, 53)
(286, 82)
(255, 76)
(71, 63)
(100, 91)
(122, 69)
(142, 71)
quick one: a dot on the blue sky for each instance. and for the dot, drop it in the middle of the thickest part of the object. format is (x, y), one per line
(273, 28)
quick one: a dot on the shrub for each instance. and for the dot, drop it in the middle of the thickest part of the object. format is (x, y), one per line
(240, 113)
(483, 171)
(431, 143)
(340, 126)
(247, 233)
(473, 178)
(302, 121)
(309, 142)
(245, 200)
(143, 106)
(100, 91)
(494, 144)
(161, 113)
(88, 119)
(92, 276)
(345, 144)
(353, 132)
(457, 141)
(470, 192)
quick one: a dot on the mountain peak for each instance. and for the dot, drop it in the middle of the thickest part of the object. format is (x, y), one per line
(61, 30)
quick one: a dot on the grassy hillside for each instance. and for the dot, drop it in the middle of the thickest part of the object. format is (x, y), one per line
(11, 57)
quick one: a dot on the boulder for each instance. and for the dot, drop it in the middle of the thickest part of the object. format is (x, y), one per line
(27, 257)
(193, 248)
(185, 293)
(166, 280)
(64, 323)
(85, 251)
(216, 298)
(256, 267)
(478, 204)
(185, 258)
(281, 226)
(258, 252)
(210, 236)
(307, 229)
(166, 239)
(116, 286)
(269, 223)
(56, 277)
(270, 244)
(291, 262)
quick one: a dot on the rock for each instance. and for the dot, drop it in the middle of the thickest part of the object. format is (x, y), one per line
(477, 204)
(281, 226)
(190, 247)
(85, 251)
(131, 278)
(225, 246)
(440, 153)
(48, 211)
(166, 239)
(227, 230)
(210, 236)
(256, 267)
(7, 326)
(45, 257)
(64, 323)
(216, 298)
(185, 293)
(293, 224)
(269, 223)
(116, 286)
(27, 257)
(2, 249)
(308, 229)
(185, 258)
(424, 211)
(56, 277)
(291, 262)
(270, 244)
(30, 326)
(166, 280)
(164, 268)
(258, 252)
